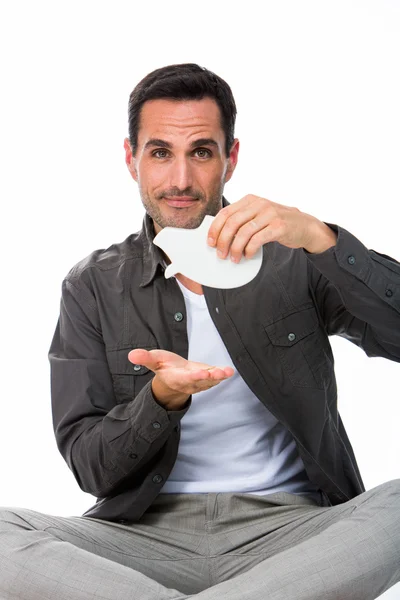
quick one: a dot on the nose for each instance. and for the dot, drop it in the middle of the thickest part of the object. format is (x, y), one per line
(181, 174)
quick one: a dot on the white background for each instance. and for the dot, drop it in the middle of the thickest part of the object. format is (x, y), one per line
(317, 90)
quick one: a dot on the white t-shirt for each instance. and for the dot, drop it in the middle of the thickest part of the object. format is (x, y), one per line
(230, 442)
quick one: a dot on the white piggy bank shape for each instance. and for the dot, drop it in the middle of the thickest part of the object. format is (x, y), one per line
(191, 256)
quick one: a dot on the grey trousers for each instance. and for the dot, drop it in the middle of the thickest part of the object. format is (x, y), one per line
(214, 546)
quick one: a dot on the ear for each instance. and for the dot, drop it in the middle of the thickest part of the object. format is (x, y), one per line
(130, 159)
(232, 160)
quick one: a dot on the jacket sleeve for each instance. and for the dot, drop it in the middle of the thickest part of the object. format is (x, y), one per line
(101, 441)
(357, 292)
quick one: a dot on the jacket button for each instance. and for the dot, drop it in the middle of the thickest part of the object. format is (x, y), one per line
(137, 367)
(156, 425)
(132, 455)
(178, 316)
(291, 337)
(351, 260)
(389, 293)
(157, 479)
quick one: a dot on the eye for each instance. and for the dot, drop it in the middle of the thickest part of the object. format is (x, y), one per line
(158, 152)
(204, 152)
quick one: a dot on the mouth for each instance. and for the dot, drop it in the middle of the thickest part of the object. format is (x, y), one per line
(180, 202)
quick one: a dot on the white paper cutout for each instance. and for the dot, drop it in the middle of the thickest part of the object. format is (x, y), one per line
(190, 255)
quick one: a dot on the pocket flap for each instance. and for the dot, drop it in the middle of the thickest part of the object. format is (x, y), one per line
(293, 328)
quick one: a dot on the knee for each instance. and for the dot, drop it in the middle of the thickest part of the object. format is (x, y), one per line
(390, 488)
(12, 517)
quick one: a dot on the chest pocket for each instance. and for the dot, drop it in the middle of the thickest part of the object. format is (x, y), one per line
(300, 345)
(128, 378)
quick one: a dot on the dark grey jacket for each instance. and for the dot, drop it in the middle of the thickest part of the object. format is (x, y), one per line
(121, 444)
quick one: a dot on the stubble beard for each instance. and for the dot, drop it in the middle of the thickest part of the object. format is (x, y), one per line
(179, 217)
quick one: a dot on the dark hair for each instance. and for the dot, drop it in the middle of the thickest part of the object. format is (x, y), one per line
(183, 82)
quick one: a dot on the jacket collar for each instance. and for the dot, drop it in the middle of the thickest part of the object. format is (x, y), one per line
(152, 254)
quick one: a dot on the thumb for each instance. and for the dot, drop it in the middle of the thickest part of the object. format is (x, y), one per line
(139, 356)
(156, 359)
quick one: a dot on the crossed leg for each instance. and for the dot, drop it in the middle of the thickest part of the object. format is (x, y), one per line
(347, 552)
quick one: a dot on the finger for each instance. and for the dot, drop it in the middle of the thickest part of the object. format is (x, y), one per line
(223, 215)
(227, 371)
(216, 373)
(203, 383)
(207, 373)
(250, 237)
(243, 223)
(272, 233)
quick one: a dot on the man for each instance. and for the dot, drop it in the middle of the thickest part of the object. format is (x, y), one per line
(205, 420)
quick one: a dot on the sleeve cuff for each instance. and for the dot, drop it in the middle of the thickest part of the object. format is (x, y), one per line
(347, 259)
(150, 419)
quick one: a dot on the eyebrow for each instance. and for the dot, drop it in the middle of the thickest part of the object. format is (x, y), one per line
(156, 142)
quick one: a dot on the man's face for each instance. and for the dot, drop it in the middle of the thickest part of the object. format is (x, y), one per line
(181, 156)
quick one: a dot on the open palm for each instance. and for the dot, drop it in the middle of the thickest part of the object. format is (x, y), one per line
(179, 374)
